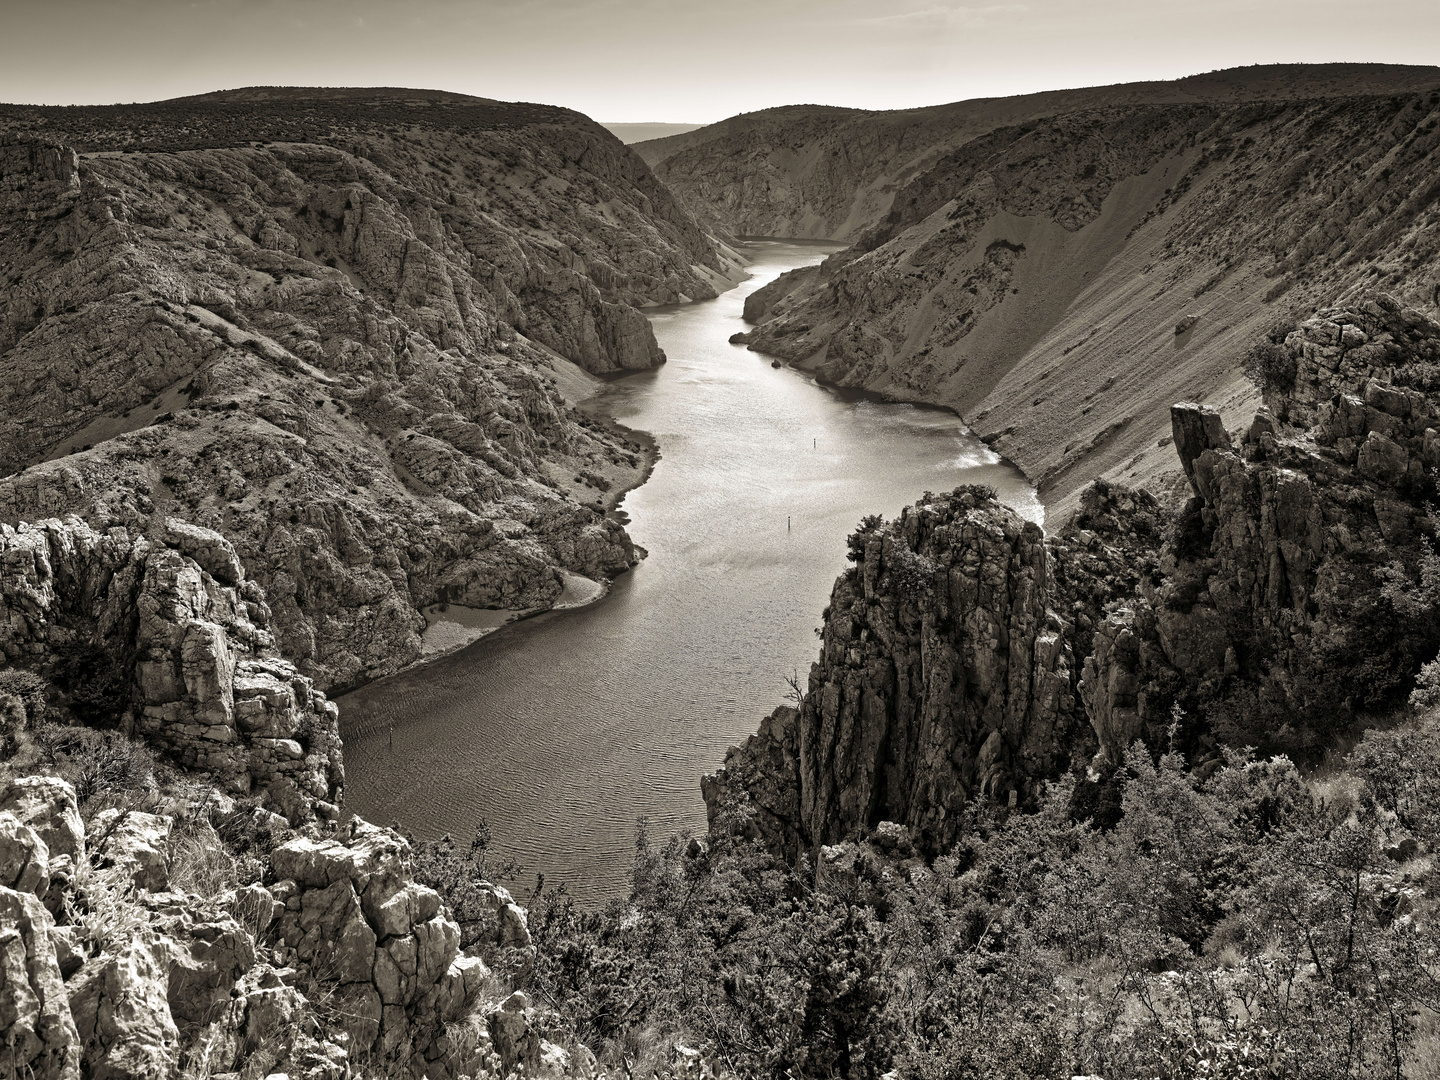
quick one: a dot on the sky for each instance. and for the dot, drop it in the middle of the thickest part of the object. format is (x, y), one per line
(678, 61)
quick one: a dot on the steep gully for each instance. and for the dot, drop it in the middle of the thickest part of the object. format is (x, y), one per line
(565, 728)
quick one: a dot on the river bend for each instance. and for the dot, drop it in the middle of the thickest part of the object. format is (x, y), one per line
(563, 729)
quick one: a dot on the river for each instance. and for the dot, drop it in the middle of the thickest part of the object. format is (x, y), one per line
(563, 729)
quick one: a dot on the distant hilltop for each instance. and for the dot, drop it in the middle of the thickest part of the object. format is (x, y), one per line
(636, 133)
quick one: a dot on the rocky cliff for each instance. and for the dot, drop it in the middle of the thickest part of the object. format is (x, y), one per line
(344, 329)
(166, 637)
(1296, 592)
(1292, 597)
(1060, 281)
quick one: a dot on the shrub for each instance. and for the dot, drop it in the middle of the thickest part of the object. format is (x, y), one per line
(1243, 925)
(457, 876)
(1269, 364)
(106, 768)
(856, 541)
(22, 704)
(198, 861)
(97, 683)
(28, 688)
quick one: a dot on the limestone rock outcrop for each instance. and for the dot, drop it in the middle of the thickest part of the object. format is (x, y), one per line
(353, 349)
(338, 964)
(46, 806)
(1275, 615)
(184, 659)
(350, 908)
(942, 676)
(39, 1032)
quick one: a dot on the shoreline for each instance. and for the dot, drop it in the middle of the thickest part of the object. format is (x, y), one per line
(449, 642)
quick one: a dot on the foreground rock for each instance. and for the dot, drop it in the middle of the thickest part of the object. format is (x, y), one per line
(337, 964)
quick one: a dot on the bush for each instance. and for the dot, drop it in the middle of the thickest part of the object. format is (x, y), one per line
(22, 705)
(1243, 925)
(457, 876)
(1269, 364)
(96, 682)
(856, 541)
(27, 688)
(106, 768)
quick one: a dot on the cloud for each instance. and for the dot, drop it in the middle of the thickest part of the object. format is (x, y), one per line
(945, 16)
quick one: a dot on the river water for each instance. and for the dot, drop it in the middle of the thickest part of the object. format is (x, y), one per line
(563, 729)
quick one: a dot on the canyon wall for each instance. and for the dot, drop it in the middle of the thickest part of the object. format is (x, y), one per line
(821, 172)
(347, 331)
(1291, 598)
(1060, 282)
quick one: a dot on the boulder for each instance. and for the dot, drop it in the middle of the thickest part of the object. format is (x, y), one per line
(1197, 428)
(24, 858)
(47, 805)
(135, 843)
(122, 1012)
(514, 1039)
(208, 951)
(352, 910)
(1382, 459)
(37, 1032)
(215, 555)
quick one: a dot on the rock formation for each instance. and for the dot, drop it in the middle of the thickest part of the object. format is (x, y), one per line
(1291, 596)
(169, 638)
(347, 338)
(942, 676)
(1060, 277)
(336, 963)
(1275, 612)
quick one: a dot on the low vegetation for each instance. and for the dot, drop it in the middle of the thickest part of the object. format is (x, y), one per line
(1254, 923)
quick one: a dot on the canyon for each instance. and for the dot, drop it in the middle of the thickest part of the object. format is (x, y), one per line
(1059, 268)
(285, 372)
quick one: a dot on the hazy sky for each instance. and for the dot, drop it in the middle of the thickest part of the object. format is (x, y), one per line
(636, 60)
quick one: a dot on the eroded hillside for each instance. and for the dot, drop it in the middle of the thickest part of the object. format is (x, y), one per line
(347, 331)
(811, 171)
(1062, 281)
